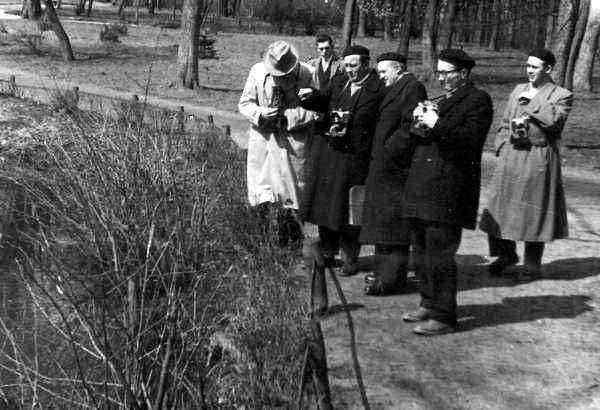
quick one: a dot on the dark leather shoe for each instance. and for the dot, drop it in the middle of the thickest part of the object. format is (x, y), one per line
(529, 272)
(349, 269)
(433, 328)
(418, 315)
(497, 267)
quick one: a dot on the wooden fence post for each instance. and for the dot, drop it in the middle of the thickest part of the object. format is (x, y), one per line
(12, 86)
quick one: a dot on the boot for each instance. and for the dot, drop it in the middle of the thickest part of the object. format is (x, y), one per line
(532, 263)
(349, 251)
(390, 275)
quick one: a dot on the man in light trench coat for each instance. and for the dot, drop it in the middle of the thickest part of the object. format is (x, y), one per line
(528, 201)
(280, 130)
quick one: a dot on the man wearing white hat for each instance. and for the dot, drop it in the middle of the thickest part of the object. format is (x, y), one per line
(279, 129)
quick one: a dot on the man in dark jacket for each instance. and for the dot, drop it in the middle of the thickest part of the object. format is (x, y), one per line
(340, 153)
(382, 223)
(442, 190)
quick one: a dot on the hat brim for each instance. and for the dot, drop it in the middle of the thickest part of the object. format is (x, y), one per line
(278, 73)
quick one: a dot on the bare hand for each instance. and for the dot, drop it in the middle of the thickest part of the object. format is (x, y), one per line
(304, 93)
(269, 113)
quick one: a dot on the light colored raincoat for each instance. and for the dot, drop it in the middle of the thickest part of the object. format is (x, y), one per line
(277, 160)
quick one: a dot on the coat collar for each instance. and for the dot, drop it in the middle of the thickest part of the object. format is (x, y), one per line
(395, 89)
(456, 97)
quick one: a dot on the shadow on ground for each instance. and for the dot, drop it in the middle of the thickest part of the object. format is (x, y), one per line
(473, 274)
(522, 309)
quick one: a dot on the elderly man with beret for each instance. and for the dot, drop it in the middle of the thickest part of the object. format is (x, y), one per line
(382, 222)
(441, 194)
(279, 132)
(340, 154)
(528, 202)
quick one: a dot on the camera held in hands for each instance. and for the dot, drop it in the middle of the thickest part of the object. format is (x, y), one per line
(519, 131)
(338, 127)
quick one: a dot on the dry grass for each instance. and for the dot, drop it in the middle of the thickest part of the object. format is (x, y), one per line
(128, 249)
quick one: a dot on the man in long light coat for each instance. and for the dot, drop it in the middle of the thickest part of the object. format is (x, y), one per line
(279, 128)
(527, 201)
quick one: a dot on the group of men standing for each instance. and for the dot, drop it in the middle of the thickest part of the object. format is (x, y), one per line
(321, 130)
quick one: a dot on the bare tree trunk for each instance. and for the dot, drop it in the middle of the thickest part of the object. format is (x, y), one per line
(582, 76)
(388, 21)
(122, 7)
(496, 24)
(551, 19)
(361, 30)
(429, 41)
(563, 37)
(89, 9)
(405, 20)
(448, 25)
(478, 24)
(347, 27)
(538, 21)
(55, 25)
(31, 9)
(580, 27)
(187, 55)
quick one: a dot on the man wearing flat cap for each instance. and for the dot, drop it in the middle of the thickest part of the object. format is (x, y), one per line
(527, 201)
(441, 195)
(383, 224)
(340, 153)
(279, 131)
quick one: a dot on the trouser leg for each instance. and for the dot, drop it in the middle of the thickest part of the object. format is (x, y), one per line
(349, 245)
(533, 253)
(329, 240)
(441, 244)
(502, 247)
(418, 244)
(392, 263)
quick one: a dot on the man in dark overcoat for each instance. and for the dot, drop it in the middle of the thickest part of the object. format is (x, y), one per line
(382, 222)
(340, 153)
(442, 190)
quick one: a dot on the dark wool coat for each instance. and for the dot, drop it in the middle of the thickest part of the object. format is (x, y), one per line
(333, 169)
(445, 174)
(390, 160)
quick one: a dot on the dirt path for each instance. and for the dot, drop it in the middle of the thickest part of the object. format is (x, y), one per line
(519, 345)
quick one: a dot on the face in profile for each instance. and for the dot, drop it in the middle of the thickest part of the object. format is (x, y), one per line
(355, 69)
(325, 50)
(537, 70)
(389, 71)
(449, 75)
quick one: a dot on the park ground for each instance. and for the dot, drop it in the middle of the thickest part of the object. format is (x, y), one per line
(519, 346)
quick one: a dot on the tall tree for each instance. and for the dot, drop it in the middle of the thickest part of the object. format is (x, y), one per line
(582, 19)
(478, 24)
(388, 20)
(563, 37)
(347, 27)
(448, 25)
(551, 18)
(582, 76)
(31, 9)
(406, 15)
(52, 21)
(494, 43)
(361, 30)
(187, 55)
(429, 40)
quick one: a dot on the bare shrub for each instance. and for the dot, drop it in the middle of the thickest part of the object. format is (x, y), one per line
(112, 32)
(134, 248)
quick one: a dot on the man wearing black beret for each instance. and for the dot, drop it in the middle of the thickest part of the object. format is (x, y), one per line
(528, 201)
(441, 196)
(340, 153)
(382, 222)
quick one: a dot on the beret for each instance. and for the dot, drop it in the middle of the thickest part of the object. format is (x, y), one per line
(457, 57)
(392, 57)
(355, 50)
(545, 55)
